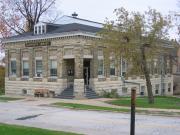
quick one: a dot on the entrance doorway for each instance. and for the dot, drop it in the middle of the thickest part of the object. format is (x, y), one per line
(70, 72)
(86, 72)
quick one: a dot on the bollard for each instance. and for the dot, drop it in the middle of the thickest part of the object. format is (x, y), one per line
(133, 104)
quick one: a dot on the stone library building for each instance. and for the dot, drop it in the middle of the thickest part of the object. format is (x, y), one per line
(60, 59)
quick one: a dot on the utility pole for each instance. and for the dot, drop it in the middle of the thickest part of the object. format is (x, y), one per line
(133, 106)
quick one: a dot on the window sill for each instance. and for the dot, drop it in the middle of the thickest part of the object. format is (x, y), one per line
(113, 78)
(101, 78)
(25, 78)
(13, 76)
(38, 79)
(52, 79)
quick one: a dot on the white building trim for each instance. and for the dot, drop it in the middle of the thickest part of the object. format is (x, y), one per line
(50, 36)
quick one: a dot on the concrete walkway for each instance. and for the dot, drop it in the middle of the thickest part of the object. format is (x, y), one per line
(94, 102)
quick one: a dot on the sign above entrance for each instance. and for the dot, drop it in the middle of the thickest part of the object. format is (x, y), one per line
(37, 44)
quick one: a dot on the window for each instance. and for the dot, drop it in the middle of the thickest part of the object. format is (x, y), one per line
(112, 67)
(43, 29)
(39, 29)
(39, 68)
(157, 89)
(35, 31)
(178, 65)
(13, 67)
(142, 90)
(168, 67)
(149, 67)
(124, 90)
(155, 67)
(100, 67)
(100, 52)
(123, 67)
(25, 68)
(53, 68)
(169, 87)
(178, 68)
(163, 87)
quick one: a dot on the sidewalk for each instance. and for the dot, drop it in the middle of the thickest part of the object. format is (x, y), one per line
(95, 102)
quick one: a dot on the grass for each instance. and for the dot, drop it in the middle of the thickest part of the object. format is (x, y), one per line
(160, 102)
(2, 91)
(100, 108)
(6, 99)
(89, 107)
(6, 129)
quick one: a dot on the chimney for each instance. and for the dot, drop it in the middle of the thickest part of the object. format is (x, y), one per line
(74, 15)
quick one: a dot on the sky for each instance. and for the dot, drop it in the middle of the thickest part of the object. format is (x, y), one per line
(98, 10)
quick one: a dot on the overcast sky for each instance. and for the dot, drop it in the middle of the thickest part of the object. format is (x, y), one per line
(98, 10)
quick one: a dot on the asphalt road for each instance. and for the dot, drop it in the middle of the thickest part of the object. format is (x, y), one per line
(86, 122)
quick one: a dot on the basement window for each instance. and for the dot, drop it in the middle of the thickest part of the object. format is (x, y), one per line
(124, 90)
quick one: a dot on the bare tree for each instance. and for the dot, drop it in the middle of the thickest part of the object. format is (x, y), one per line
(18, 16)
(21, 15)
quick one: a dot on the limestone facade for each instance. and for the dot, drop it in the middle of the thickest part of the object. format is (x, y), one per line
(58, 63)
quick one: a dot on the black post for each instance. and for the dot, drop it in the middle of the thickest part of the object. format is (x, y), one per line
(133, 104)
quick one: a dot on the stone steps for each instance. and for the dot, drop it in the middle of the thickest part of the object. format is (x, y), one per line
(90, 94)
(68, 93)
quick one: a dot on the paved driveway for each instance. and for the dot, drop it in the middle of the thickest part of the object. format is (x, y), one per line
(86, 122)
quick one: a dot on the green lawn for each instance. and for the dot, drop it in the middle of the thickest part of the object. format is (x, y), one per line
(100, 108)
(21, 130)
(5, 99)
(89, 107)
(1, 91)
(160, 102)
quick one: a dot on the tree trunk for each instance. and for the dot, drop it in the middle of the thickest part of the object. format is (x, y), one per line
(147, 76)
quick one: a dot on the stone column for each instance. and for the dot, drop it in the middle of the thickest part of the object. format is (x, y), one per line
(18, 64)
(31, 63)
(61, 69)
(78, 81)
(93, 68)
(45, 62)
(60, 63)
(7, 63)
(94, 65)
(117, 66)
(107, 62)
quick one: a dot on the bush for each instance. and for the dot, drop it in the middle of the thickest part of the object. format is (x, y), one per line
(2, 80)
(112, 94)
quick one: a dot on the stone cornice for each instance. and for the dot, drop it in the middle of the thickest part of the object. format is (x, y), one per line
(50, 36)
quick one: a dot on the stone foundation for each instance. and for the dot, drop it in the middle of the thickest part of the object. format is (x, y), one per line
(107, 84)
(79, 88)
(17, 87)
